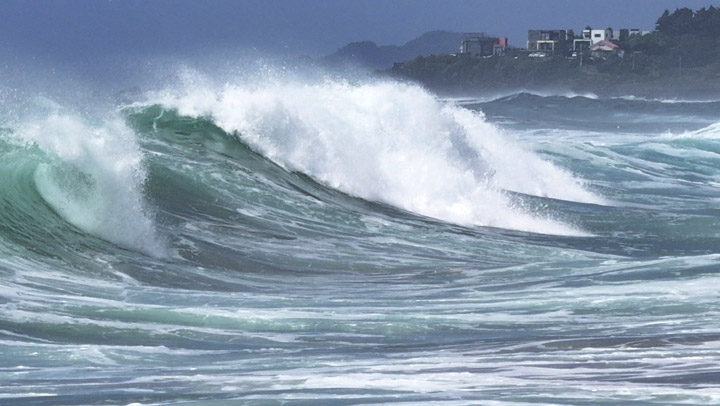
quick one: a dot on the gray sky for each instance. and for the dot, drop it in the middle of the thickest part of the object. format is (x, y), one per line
(79, 28)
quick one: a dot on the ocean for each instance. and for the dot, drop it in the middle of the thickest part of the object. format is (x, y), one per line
(359, 242)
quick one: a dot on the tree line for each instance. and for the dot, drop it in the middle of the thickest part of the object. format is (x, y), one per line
(683, 38)
(704, 22)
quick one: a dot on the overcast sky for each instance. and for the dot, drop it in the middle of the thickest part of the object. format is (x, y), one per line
(72, 28)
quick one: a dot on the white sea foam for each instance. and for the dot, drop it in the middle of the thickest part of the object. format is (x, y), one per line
(665, 100)
(389, 142)
(569, 94)
(710, 132)
(96, 182)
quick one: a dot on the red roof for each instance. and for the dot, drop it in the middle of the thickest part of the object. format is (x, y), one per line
(603, 43)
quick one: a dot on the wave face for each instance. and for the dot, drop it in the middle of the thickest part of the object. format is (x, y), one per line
(327, 242)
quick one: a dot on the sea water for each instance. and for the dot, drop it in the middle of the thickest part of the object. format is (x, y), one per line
(310, 242)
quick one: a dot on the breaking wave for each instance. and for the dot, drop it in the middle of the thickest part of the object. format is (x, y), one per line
(389, 142)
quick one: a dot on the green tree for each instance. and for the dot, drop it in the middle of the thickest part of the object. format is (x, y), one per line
(679, 22)
(707, 21)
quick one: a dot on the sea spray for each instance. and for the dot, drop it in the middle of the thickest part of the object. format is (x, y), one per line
(518, 169)
(94, 178)
(388, 142)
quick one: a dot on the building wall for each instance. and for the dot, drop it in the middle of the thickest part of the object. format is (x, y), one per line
(601, 35)
(480, 45)
(582, 44)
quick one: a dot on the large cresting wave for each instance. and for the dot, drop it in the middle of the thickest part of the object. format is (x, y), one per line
(389, 142)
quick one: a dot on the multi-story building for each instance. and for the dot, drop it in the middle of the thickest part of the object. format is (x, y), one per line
(482, 45)
(551, 41)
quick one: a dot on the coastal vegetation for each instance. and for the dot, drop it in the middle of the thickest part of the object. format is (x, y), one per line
(681, 57)
(683, 38)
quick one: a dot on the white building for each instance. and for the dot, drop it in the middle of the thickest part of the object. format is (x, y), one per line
(596, 36)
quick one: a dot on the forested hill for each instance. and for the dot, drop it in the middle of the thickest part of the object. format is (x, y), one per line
(681, 57)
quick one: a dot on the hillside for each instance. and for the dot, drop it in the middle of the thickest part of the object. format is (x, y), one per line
(680, 59)
(468, 75)
(369, 55)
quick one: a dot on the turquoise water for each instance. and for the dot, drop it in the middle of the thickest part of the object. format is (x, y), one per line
(308, 243)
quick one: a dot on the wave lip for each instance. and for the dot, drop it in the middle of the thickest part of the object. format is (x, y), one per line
(390, 142)
(94, 179)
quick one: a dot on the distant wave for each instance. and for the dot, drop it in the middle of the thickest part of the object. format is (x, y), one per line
(518, 93)
(666, 100)
(710, 132)
(511, 95)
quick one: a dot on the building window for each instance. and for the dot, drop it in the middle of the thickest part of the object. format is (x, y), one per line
(597, 35)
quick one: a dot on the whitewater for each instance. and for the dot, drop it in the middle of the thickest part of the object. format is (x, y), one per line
(358, 242)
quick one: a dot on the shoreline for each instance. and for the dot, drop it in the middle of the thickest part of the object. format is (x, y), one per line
(453, 76)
